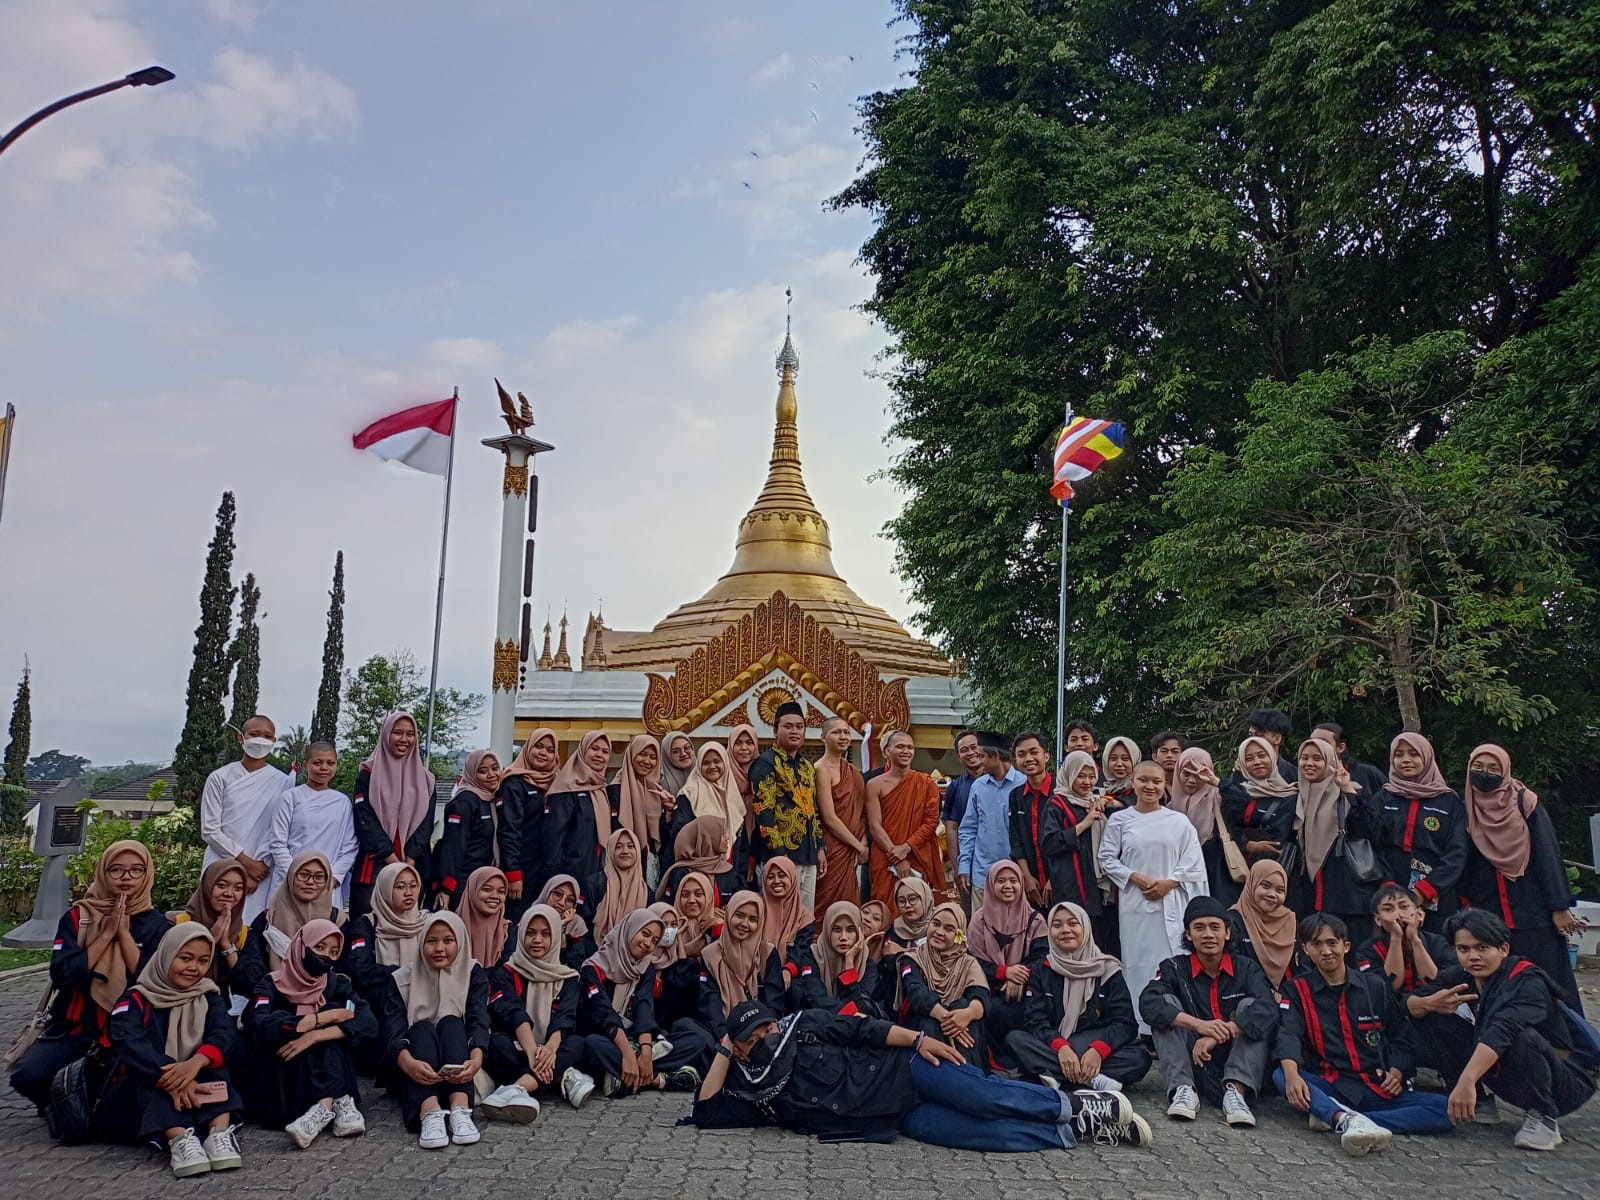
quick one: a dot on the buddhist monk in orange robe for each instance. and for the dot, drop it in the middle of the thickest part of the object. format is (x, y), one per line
(903, 814)
(842, 799)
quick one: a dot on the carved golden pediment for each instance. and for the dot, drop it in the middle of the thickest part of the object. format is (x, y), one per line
(777, 633)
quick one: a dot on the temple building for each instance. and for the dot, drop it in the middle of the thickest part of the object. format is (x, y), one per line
(781, 624)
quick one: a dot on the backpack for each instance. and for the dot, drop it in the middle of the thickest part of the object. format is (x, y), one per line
(1585, 1038)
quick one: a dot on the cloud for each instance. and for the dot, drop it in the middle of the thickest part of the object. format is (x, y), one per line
(233, 14)
(105, 200)
(773, 70)
(466, 353)
(796, 168)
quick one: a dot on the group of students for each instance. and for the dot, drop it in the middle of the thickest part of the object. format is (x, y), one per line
(777, 936)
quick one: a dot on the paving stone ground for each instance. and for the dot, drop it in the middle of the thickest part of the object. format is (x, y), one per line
(632, 1148)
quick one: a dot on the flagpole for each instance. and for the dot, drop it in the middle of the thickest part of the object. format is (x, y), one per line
(1061, 630)
(438, 605)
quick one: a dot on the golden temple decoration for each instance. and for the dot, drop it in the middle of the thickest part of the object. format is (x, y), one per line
(777, 634)
(515, 482)
(506, 656)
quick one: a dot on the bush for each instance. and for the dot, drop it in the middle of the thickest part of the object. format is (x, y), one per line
(19, 877)
(169, 838)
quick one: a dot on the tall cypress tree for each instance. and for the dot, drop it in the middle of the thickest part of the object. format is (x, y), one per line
(196, 755)
(245, 657)
(14, 796)
(325, 721)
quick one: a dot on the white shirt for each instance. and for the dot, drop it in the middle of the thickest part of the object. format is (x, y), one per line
(236, 811)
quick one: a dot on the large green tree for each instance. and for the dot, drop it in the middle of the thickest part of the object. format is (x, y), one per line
(244, 655)
(199, 749)
(1142, 209)
(14, 802)
(325, 720)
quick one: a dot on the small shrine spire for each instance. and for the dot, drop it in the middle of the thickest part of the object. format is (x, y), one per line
(788, 364)
(563, 660)
(545, 662)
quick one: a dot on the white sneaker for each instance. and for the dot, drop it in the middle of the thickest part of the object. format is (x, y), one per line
(303, 1129)
(1235, 1109)
(576, 1086)
(435, 1135)
(1185, 1104)
(511, 1103)
(1538, 1133)
(1361, 1135)
(222, 1149)
(1104, 1083)
(347, 1118)
(189, 1157)
(462, 1131)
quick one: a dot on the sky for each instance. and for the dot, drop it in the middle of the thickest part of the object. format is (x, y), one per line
(340, 210)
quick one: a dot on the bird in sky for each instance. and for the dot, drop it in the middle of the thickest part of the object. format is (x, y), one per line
(813, 113)
(753, 154)
(747, 184)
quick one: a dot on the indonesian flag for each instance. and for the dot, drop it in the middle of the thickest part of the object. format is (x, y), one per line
(418, 437)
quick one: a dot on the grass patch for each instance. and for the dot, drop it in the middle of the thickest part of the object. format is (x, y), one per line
(11, 959)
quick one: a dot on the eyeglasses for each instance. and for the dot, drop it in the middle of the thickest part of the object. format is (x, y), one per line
(310, 877)
(137, 871)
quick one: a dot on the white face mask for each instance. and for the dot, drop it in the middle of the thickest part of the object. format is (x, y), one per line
(668, 936)
(258, 747)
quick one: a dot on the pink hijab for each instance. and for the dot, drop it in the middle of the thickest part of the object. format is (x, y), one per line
(400, 790)
(294, 983)
(1199, 805)
(741, 775)
(486, 934)
(1018, 922)
(1498, 820)
(1425, 786)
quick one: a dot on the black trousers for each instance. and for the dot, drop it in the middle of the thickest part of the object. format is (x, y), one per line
(506, 1063)
(1001, 1017)
(1530, 1074)
(282, 1091)
(438, 1044)
(37, 1067)
(157, 1113)
(692, 1046)
(1127, 1064)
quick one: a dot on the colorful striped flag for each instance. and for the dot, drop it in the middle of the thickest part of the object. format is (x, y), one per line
(1083, 446)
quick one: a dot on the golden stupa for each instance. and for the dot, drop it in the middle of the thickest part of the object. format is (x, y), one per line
(782, 546)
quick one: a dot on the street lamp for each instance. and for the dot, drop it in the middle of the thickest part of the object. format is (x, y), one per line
(148, 77)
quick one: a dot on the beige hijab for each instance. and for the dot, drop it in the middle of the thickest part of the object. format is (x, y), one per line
(641, 794)
(96, 908)
(285, 914)
(544, 976)
(396, 935)
(833, 963)
(692, 930)
(950, 972)
(720, 799)
(1316, 818)
(1274, 784)
(625, 890)
(1082, 970)
(576, 775)
(186, 1007)
(737, 966)
(432, 995)
(1272, 934)
(741, 775)
(523, 764)
(615, 961)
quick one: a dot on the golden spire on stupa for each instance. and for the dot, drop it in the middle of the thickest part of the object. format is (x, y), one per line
(783, 545)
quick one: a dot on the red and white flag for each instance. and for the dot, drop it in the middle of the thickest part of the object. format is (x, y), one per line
(418, 437)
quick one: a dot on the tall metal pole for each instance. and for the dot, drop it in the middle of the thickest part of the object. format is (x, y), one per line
(444, 544)
(148, 77)
(1061, 631)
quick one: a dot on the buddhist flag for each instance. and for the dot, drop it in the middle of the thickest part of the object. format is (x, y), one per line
(418, 437)
(8, 424)
(1082, 448)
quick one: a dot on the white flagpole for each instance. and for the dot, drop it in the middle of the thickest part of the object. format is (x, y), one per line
(1061, 633)
(438, 607)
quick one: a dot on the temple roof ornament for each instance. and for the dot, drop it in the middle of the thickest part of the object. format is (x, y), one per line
(782, 545)
(563, 660)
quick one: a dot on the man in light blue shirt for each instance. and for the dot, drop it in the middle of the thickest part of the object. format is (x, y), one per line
(986, 825)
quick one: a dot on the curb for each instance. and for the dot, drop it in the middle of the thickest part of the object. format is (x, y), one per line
(19, 972)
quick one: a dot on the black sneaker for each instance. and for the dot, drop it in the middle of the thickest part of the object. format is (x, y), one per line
(684, 1079)
(1099, 1109)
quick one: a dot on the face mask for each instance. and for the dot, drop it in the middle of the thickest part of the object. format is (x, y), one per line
(316, 965)
(1486, 781)
(760, 1055)
(668, 936)
(258, 747)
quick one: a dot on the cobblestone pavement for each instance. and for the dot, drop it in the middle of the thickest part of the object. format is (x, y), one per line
(633, 1149)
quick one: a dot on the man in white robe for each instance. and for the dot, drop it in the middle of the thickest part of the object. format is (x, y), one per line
(1153, 856)
(236, 811)
(315, 816)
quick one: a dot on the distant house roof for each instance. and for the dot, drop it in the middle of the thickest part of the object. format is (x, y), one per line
(137, 790)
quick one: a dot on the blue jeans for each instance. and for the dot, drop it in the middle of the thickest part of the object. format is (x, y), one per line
(1409, 1112)
(964, 1109)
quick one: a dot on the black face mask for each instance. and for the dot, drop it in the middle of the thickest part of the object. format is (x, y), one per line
(316, 965)
(1486, 781)
(764, 1051)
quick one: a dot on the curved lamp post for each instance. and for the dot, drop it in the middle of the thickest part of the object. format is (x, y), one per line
(148, 77)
